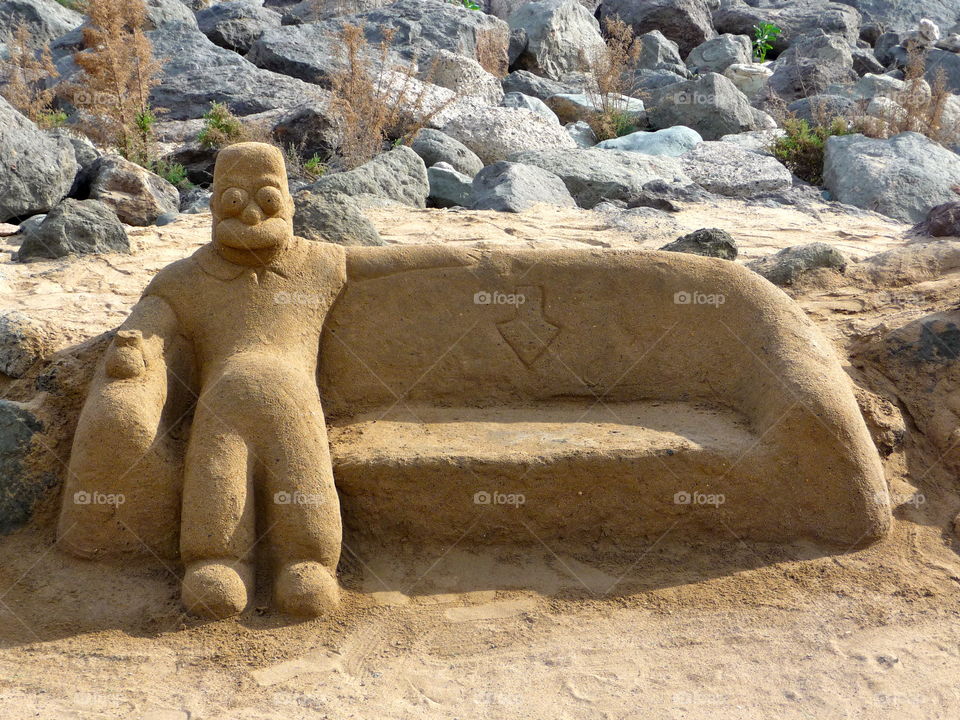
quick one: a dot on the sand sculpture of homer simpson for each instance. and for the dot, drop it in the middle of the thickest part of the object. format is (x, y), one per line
(235, 328)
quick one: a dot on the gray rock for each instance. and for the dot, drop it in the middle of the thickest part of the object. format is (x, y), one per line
(758, 141)
(818, 109)
(645, 82)
(514, 187)
(562, 37)
(903, 177)
(464, 76)
(943, 221)
(19, 489)
(711, 105)
(749, 78)
(435, 147)
(45, 20)
(30, 224)
(79, 227)
(36, 169)
(311, 127)
(794, 17)
(593, 176)
(330, 216)
(709, 242)
(719, 53)
(686, 22)
(525, 82)
(448, 188)
(86, 155)
(23, 343)
(664, 196)
(731, 170)
(884, 46)
(811, 65)
(135, 194)
(672, 142)
(236, 24)
(864, 61)
(516, 99)
(582, 134)
(947, 63)
(398, 175)
(310, 52)
(659, 53)
(194, 201)
(495, 133)
(571, 107)
(790, 264)
(903, 16)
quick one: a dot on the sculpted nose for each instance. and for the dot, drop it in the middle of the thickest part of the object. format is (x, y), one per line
(251, 214)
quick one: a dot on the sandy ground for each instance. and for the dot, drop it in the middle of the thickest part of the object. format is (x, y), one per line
(721, 631)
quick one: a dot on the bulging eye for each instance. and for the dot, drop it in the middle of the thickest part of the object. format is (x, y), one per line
(233, 201)
(270, 200)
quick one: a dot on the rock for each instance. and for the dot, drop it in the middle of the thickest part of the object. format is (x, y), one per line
(795, 18)
(527, 83)
(19, 490)
(819, 109)
(864, 61)
(951, 43)
(23, 343)
(925, 35)
(672, 142)
(514, 187)
(711, 105)
(883, 48)
(946, 62)
(195, 200)
(790, 264)
(719, 53)
(749, 79)
(236, 24)
(464, 76)
(709, 242)
(496, 133)
(592, 175)
(661, 195)
(686, 22)
(734, 171)
(312, 128)
(398, 175)
(36, 170)
(45, 20)
(135, 194)
(582, 134)
(758, 141)
(562, 37)
(516, 99)
(449, 188)
(334, 217)
(435, 147)
(902, 16)
(659, 53)
(78, 227)
(943, 220)
(313, 53)
(645, 82)
(812, 65)
(903, 177)
(571, 107)
(86, 155)
(168, 14)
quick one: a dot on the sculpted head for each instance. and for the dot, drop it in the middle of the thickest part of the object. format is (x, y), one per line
(251, 204)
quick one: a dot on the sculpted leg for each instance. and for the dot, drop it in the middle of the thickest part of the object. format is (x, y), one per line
(218, 529)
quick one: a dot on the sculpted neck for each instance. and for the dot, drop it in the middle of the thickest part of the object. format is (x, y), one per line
(250, 258)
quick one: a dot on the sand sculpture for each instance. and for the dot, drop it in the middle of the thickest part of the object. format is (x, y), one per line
(576, 394)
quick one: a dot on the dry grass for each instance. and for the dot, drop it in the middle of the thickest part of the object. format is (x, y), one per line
(23, 78)
(613, 70)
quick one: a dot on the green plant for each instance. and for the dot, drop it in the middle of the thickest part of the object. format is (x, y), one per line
(468, 4)
(52, 119)
(221, 127)
(801, 149)
(315, 166)
(763, 36)
(173, 173)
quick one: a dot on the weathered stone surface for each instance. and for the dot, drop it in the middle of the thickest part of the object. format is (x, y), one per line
(593, 175)
(686, 22)
(514, 187)
(711, 105)
(448, 188)
(865, 61)
(526, 82)
(709, 242)
(790, 264)
(903, 177)
(45, 20)
(398, 175)
(583, 106)
(562, 37)
(23, 342)
(36, 170)
(903, 16)
(659, 53)
(333, 217)
(729, 169)
(794, 17)
(528, 102)
(434, 146)
(195, 200)
(582, 134)
(496, 133)
(464, 76)
(818, 108)
(311, 127)
(719, 53)
(943, 220)
(19, 491)
(750, 79)
(236, 24)
(811, 65)
(136, 195)
(673, 142)
(78, 227)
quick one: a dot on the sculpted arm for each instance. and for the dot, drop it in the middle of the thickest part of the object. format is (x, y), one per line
(367, 263)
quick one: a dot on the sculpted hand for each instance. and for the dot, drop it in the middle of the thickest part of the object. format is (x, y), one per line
(125, 358)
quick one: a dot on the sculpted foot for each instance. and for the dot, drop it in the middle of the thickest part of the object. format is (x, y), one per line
(307, 589)
(217, 589)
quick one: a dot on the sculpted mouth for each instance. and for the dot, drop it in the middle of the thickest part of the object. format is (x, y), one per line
(267, 233)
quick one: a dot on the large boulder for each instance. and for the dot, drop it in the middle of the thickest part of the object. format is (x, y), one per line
(573, 107)
(945, 63)
(562, 37)
(20, 490)
(36, 169)
(434, 147)
(465, 77)
(495, 133)
(711, 105)
(448, 187)
(943, 220)
(659, 53)
(671, 142)
(719, 53)
(749, 78)
(75, 227)
(686, 22)
(729, 169)
(23, 342)
(593, 176)
(902, 16)
(236, 24)
(514, 187)
(312, 127)
(814, 63)
(903, 177)
(398, 175)
(794, 17)
(523, 81)
(136, 195)
(45, 20)
(531, 103)
(329, 216)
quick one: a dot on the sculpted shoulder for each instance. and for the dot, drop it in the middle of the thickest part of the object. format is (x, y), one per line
(176, 277)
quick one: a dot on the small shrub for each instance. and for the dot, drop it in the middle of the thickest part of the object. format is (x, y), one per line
(612, 73)
(763, 36)
(802, 148)
(23, 77)
(315, 166)
(221, 127)
(468, 4)
(173, 173)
